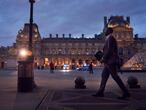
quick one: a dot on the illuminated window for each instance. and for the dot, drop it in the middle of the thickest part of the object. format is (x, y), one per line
(35, 30)
(35, 35)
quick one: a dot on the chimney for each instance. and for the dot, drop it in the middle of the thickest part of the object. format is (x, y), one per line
(69, 35)
(105, 21)
(128, 19)
(56, 35)
(63, 35)
(136, 36)
(95, 35)
(50, 35)
(83, 35)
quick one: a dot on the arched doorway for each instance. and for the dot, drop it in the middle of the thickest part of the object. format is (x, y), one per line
(73, 64)
(2, 65)
(80, 62)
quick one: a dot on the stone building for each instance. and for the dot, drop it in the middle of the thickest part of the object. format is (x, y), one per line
(3, 55)
(22, 40)
(67, 49)
(8, 57)
(123, 32)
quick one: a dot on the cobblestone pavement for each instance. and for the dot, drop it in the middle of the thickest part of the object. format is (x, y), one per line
(82, 100)
(61, 94)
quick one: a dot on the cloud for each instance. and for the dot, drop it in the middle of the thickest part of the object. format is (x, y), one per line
(69, 16)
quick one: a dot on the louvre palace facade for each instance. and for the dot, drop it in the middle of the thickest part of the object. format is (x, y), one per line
(67, 49)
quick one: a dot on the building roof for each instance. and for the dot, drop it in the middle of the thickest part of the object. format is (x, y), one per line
(72, 39)
(117, 21)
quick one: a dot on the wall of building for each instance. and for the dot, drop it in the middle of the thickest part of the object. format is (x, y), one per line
(74, 51)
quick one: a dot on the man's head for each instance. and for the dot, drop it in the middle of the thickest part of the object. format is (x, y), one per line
(108, 31)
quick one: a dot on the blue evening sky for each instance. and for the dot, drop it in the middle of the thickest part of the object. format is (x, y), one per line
(68, 16)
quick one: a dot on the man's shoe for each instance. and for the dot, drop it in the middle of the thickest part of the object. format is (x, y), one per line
(98, 95)
(125, 96)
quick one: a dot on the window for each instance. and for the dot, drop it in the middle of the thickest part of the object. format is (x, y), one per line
(120, 51)
(90, 44)
(56, 44)
(129, 51)
(70, 44)
(63, 44)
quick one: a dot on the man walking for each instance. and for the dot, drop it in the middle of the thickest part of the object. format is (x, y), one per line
(109, 59)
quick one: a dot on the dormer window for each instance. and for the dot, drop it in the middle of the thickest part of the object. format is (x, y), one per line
(36, 36)
(35, 30)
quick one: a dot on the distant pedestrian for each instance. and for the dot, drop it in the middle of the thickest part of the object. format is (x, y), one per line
(52, 67)
(110, 57)
(91, 68)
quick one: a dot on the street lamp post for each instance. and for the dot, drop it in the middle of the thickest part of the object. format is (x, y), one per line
(31, 23)
(25, 63)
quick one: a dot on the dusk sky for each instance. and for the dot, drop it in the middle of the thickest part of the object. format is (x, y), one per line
(68, 16)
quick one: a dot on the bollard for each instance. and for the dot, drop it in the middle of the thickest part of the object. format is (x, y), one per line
(133, 82)
(80, 83)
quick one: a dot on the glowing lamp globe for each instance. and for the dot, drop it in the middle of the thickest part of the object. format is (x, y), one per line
(23, 53)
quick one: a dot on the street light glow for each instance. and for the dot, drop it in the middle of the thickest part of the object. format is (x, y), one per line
(23, 52)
